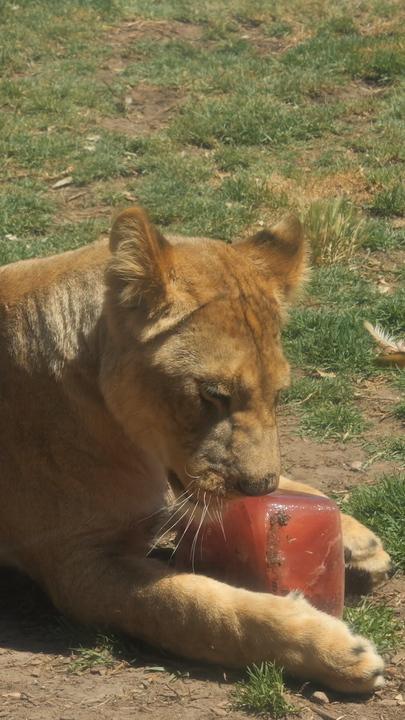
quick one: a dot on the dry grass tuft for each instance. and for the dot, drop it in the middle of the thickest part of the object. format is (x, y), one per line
(334, 229)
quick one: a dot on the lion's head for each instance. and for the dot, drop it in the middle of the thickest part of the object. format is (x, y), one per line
(195, 364)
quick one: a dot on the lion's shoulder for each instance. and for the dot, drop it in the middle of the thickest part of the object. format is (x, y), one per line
(40, 275)
(50, 306)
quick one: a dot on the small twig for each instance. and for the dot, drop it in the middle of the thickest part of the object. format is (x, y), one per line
(324, 714)
(77, 195)
(301, 402)
(372, 459)
(173, 689)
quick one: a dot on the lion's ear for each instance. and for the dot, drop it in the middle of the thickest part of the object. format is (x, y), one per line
(142, 259)
(280, 253)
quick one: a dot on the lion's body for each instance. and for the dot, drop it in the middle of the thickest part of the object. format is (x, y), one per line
(67, 466)
(119, 367)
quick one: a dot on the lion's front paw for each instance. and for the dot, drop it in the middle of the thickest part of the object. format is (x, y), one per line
(364, 552)
(356, 668)
(343, 661)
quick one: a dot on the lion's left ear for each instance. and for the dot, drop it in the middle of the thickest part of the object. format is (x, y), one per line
(280, 253)
(141, 267)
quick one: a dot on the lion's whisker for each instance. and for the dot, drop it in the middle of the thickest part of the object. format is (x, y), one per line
(166, 532)
(184, 531)
(220, 508)
(210, 519)
(194, 543)
(171, 507)
(160, 532)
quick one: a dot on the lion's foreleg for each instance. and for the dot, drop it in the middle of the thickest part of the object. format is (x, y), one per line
(298, 487)
(203, 619)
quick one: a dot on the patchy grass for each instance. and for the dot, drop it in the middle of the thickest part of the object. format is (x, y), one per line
(58, 239)
(399, 411)
(376, 622)
(104, 653)
(380, 235)
(327, 420)
(380, 507)
(338, 48)
(311, 390)
(325, 408)
(390, 448)
(390, 202)
(249, 117)
(263, 692)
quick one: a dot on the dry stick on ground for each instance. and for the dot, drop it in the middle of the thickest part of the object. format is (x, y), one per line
(325, 715)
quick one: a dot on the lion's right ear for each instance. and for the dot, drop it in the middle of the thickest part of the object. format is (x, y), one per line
(280, 253)
(142, 259)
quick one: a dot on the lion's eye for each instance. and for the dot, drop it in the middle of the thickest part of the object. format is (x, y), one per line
(214, 395)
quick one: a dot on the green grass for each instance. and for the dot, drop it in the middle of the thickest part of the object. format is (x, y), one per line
(189, 195)
(377, 622)
(381, 508)
(330, 339)
(327, 332)
(263, 692)
(86, 658)
(25, 209)
(346, 53)
(327, 420)
(399, 381)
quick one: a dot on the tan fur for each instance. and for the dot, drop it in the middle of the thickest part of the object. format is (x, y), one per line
(122, 367)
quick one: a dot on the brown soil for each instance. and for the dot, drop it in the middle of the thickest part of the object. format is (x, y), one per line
(148, 108)
(308, 188)
(127, 33)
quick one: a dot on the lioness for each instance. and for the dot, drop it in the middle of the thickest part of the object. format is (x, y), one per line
(150, 360)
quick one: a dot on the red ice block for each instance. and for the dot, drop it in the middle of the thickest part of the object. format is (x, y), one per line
(274, 543)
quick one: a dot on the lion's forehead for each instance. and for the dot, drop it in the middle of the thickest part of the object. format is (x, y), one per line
(230, 338)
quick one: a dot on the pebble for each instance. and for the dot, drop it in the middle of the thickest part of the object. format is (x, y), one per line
(319, 697)
(220, 712)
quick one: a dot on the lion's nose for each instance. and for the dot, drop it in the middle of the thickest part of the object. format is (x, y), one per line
(265, 485)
